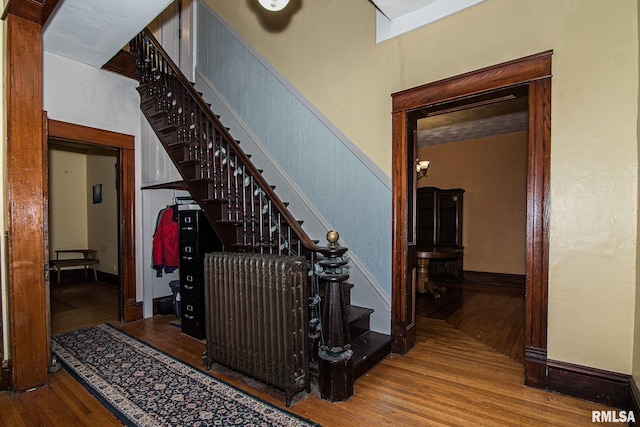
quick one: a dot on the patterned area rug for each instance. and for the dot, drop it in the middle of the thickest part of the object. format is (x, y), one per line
(144, 386)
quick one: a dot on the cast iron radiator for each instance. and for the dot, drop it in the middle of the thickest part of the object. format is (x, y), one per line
(256, 317)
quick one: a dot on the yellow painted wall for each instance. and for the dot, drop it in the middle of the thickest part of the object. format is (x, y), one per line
(328, 52)
(67, 200)
(493, 173)
(636, 342)
(102, 218)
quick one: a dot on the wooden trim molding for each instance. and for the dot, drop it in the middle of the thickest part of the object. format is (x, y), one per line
(88, 135)
(37, 11)
(501, 279)
(633, 399)
(596, 385)
(129, 310)
(26, 263)
(532, 73)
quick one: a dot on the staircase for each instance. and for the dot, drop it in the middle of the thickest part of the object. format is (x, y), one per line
(248, 216)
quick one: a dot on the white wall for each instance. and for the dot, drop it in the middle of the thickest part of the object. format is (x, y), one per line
(154, 287)
(83, 95)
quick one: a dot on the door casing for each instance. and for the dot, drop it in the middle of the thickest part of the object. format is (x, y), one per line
(534, 73)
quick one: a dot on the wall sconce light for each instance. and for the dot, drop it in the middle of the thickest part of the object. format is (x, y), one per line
(421, 168)
(274, 5)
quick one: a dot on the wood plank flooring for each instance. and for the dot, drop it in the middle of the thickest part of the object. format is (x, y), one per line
(450, 378)
(77, 305)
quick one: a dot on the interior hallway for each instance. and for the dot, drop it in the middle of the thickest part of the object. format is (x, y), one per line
(450, 377)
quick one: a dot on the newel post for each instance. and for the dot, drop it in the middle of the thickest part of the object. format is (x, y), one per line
(335, 354)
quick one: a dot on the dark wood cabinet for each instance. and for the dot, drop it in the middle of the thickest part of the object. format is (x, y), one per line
(196, 238)
(439, 226)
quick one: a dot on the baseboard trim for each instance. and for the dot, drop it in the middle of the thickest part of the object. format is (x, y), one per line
(132, 311)
(495, 278)
(596, 385)
(633, 400)
(111, 279)
(5, 376)
(535, 367)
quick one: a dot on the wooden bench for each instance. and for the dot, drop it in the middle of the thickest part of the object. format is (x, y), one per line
(88, 259)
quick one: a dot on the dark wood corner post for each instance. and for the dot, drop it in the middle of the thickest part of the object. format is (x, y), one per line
(335, 354)
(403, 255)
(26, 187)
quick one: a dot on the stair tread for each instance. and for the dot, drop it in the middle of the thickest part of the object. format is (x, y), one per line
(356, 312)
(369, 349)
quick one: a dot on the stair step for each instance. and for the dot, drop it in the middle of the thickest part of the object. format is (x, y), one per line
(158, 115)
(369, 349)
(230, 222)
(167, 129)
(346, 292)
(214, 201)
(358, 318)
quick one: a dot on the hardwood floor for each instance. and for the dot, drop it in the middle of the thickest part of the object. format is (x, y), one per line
(492, 314)
(450, 378)
(77, 305)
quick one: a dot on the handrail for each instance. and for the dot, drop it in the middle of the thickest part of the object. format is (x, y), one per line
(204, 151)
(302, 236)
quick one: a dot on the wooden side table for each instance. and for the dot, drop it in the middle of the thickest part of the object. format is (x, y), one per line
(425, 285)
(88, 259)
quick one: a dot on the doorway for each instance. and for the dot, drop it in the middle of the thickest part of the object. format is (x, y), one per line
(473, 199)
(83, 223)
(532, 74)
(128, 309)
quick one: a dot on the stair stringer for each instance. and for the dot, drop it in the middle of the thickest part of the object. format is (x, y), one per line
(315, 225)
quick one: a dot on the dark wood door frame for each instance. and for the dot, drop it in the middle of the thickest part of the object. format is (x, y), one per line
(129, 309)
(26, 189)
(27, 260)
(534, 73)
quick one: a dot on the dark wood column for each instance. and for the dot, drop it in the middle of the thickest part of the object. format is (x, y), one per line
(26, 188)
(130, 310)
(25, 184)
(403, 255)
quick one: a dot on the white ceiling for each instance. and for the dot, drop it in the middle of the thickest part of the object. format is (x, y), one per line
(396, 17)
(93, 31)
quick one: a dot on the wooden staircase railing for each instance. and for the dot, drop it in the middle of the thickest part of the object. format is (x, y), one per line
(241, 206)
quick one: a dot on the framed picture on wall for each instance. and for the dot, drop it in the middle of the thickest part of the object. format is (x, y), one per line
(97, 193)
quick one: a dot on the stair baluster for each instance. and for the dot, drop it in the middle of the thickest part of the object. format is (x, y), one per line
(242, 208)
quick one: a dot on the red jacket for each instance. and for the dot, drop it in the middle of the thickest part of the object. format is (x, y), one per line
(166, 251)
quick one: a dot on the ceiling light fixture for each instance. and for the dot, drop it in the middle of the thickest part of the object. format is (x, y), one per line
(274, 5)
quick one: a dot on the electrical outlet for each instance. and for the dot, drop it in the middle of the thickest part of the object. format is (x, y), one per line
(114, 267)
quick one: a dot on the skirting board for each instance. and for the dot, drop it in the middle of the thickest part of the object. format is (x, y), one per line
(495, 278)
(112, 279)
(596, 385)
(633, 400)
